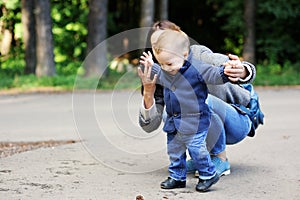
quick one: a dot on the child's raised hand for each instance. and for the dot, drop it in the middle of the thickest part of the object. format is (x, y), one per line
(146, 59)
(145, 75)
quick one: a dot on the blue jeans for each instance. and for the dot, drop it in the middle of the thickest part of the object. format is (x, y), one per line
(196, 145)
(228, 126)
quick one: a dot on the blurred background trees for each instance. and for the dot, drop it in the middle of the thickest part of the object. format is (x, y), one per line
(97, 18)
(53, 37)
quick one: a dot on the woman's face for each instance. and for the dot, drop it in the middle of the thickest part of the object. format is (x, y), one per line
(169, 62)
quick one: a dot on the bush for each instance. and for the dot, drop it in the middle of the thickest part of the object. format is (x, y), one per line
(275, 74)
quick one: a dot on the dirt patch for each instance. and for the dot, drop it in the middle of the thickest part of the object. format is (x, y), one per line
(11, 148)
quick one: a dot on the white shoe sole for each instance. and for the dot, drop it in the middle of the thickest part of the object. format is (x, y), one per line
(225, 173)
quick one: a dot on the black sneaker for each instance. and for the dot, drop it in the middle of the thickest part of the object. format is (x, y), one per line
(203, 185)
(172, 183)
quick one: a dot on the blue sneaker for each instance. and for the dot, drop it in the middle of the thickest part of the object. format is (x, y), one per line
(190, 167)
(222, 167)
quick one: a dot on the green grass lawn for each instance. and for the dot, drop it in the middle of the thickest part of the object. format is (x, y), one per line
(272, 75)
(25, 83)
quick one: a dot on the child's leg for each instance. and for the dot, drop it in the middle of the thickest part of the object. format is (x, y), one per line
(201, 157)
(177, 156)
(215, 142)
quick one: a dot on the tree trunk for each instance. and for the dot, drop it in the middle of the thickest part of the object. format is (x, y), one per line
(147, 13)
(146, 20)
(163, 9)
(29, 35)
(96, 62)
(249, 37)
(44, 39)
(6, 30)
(6, 42)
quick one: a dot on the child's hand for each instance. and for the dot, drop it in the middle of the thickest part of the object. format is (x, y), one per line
(234, 68)
(149, 85)
(145, 75)
(147, 59)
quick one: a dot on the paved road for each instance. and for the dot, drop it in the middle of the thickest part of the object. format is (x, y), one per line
(116, 160)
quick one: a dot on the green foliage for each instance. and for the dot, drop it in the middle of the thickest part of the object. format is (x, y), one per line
(231, 14)
(233, 47)
(70, 68)
(69, 33)
(215, 23)
(275, 74)
(276, 28)
(31, 81)
(199, 20)
(10, 16)
(280, 9)
(12, 66)
(11, 4)
(5, 82)
(278, 32)
(115, 80)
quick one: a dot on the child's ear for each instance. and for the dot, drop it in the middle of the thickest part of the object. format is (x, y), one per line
(185, 54)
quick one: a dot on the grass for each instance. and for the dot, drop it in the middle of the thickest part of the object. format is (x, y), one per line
(12, 79)
(69, 82)
(277, 75)
(69, 77)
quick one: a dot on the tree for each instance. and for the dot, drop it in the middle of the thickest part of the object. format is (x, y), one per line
(163, 9)
(277, 41)
(6, 26)
(97, 20)
(147, 13)
(146, 20)
(44, 41)
(29, 36)
(249, 35)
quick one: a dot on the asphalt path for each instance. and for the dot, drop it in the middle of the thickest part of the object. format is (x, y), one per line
(115, 159)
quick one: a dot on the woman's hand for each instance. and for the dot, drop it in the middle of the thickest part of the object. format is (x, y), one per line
(149, 85)
(234, 68)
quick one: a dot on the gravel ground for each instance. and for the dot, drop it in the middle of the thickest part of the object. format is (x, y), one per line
(263, 167)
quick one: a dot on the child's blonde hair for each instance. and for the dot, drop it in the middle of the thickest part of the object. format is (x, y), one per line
(176, 42)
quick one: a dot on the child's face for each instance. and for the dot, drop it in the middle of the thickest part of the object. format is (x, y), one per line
(169, 62)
